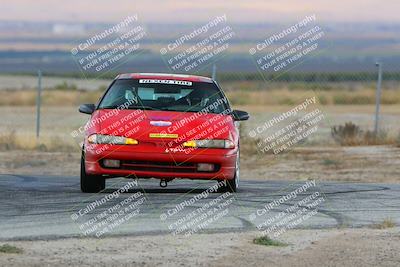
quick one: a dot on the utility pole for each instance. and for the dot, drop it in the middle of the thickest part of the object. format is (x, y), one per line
(378, 97)
(38, 103)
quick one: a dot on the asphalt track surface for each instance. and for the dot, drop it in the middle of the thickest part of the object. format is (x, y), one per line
(43, 207)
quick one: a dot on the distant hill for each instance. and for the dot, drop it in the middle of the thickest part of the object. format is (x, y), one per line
(348, 47)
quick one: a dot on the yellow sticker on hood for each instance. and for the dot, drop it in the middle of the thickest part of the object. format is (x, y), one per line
(163, 135)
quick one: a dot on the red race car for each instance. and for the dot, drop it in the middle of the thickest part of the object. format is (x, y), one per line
(162, 126)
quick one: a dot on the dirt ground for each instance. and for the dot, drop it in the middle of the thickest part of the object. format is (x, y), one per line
(358, 164)
(336, 247)
(330, 247)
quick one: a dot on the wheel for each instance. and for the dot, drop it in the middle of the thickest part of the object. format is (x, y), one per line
(233, 184)
(90, 183)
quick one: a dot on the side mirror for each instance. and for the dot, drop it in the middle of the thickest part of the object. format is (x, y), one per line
(239, 115)
(87, 108)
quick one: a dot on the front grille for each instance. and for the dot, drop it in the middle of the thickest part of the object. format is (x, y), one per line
(182, 167)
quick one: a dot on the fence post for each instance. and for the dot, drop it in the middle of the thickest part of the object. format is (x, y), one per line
(214, 72)
(378, 97)
(38, 103)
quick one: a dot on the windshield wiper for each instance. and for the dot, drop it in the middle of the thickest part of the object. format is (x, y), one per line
(108, 107)
(134, 107)
(143, 107)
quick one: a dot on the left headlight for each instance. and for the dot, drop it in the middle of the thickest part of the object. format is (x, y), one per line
(210, 143)
(111, 139)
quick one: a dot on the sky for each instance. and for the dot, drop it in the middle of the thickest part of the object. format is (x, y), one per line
(189, 11)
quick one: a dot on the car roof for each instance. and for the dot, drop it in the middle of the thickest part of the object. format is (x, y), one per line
(167, 76)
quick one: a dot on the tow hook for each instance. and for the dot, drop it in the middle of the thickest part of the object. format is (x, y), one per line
(163, 183)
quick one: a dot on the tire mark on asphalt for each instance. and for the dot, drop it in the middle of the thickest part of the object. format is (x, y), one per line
(247, 225)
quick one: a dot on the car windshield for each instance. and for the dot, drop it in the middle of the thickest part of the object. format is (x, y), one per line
(169, 95)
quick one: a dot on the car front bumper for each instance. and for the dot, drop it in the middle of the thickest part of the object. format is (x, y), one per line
(137, 164)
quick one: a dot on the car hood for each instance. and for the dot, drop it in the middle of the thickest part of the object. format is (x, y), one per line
(153, 125)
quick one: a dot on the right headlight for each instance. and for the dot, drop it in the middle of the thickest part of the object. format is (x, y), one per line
(209, 143)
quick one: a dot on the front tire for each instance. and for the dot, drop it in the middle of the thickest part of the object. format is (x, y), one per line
(90, 183)
(233, 184)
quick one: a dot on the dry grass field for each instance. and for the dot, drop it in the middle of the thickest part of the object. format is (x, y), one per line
(68, 91)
